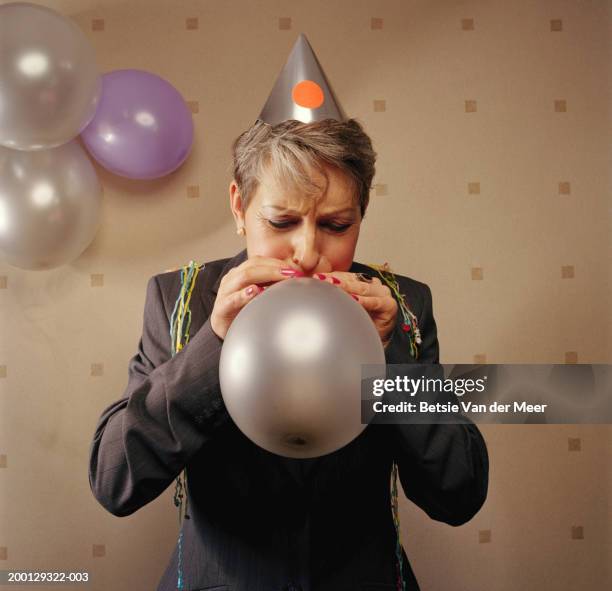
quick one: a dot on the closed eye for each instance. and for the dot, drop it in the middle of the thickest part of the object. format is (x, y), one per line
(338, 228)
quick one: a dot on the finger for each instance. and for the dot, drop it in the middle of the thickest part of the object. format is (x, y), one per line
(250, 292)
(373, 288)
(375, 303)
(261, 272)
(368, 289)
(231, 305)
(350, 284)
(328, 277)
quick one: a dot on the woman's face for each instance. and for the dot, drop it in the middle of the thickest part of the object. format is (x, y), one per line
(316, 234)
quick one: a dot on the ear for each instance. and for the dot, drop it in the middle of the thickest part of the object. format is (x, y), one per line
(236, 203)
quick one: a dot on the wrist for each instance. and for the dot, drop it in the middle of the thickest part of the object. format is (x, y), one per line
(219, 334)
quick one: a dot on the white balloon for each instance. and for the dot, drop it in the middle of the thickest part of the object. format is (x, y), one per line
(290, 367)
(49, 81)
(50, 203)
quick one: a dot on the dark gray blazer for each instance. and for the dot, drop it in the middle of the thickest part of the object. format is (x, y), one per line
(260, 522)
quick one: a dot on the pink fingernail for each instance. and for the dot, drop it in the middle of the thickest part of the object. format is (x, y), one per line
(354, 297)
(321, 276)
(291, 272)
(335, 280)
(250, 290)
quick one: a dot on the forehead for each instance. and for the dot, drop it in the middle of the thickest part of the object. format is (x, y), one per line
(335, 190)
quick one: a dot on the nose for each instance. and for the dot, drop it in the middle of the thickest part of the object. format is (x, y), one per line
(305, 249)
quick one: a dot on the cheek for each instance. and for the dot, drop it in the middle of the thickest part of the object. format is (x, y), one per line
(266, 244)
(340, 253)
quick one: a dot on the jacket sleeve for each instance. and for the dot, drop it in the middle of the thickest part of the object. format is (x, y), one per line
(443, 468)
(170, 408)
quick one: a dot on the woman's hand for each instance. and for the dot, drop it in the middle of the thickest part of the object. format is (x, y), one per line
(241, 284)
(375, 297)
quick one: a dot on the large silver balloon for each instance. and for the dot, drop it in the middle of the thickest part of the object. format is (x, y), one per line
(49, 82)
(49, 206)
(290, 367)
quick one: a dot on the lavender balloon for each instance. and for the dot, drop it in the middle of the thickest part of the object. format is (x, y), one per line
(142, 128)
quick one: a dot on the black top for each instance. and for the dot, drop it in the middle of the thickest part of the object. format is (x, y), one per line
(260, 522)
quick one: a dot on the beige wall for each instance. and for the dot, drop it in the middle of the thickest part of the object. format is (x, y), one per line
(513, 192)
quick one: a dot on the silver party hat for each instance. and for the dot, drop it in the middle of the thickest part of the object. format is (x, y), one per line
(301, 90)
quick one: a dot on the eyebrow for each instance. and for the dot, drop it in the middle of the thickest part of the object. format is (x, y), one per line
(294, 212)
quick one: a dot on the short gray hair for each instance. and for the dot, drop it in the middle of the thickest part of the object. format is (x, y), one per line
(291, 149)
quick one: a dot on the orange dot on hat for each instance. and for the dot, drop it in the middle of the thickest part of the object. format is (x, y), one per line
(308, 94)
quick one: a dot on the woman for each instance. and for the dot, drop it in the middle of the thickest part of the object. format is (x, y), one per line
(259, 522)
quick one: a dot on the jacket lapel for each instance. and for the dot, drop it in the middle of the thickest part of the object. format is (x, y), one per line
(208, 291)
